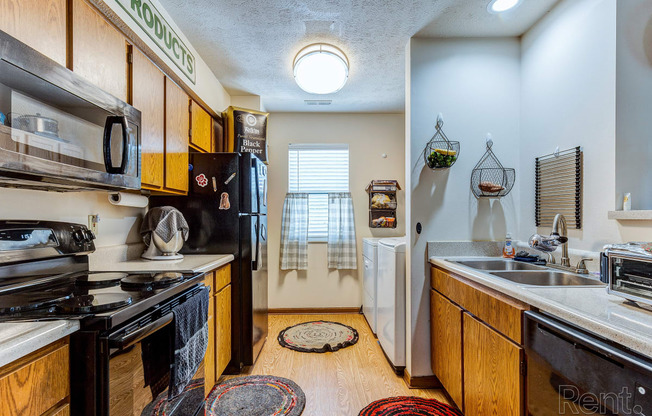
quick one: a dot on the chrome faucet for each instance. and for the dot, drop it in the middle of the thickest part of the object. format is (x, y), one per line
(558, 237)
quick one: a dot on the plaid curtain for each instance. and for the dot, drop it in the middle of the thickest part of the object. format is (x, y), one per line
(294, 232)
(342, 253)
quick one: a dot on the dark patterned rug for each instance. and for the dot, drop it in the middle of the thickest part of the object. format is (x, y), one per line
(318, 336)
(187, 403)
(256, 396)
(413, 406)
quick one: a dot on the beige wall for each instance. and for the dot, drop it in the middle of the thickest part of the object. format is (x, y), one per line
(368, 137)
(118, 225)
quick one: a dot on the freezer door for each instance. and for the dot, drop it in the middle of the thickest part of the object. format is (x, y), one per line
(261, 183)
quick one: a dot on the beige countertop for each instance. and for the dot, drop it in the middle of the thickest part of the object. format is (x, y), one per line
(197, 263)
(590, 308)
(17, 339)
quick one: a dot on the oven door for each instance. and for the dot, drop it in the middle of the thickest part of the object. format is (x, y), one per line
(60, 132)
(138, 372)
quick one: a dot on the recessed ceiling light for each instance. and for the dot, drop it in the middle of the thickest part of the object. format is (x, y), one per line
(321, 69)
(499, 6)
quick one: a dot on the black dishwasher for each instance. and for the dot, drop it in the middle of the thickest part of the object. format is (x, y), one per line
(570, 372)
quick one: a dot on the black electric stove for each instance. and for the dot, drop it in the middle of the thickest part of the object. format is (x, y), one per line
(44, 275)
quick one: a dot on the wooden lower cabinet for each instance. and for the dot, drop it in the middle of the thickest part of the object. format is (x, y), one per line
(38, 383)
(223, 329)
(209, 360)
(475, 352)
(446, 341)
(218, 353)
(493, 384)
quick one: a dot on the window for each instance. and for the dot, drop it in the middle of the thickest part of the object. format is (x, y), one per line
(317, 169)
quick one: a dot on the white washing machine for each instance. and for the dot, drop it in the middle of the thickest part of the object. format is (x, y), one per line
(369, 281)
(391, 300)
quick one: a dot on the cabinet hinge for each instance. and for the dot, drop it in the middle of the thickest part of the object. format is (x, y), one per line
(190, 107)
(130, 57)
(189, 132)
(523, 368)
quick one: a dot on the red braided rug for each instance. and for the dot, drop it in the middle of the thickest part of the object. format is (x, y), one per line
(408, 406)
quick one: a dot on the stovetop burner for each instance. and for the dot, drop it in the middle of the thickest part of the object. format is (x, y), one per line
(94, 303)
(25, 302)
(149, 281)
(102, 279)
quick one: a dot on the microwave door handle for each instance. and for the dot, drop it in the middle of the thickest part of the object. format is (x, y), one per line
(136, 336)
(108, 128)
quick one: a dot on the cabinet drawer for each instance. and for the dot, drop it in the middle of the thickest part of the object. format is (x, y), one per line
(496, 309)
(36, 383)
(222, 277)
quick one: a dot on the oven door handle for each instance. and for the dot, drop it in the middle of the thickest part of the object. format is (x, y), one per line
(136, 336)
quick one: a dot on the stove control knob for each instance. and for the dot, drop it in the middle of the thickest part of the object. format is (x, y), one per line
(78, 236)
(89, 236)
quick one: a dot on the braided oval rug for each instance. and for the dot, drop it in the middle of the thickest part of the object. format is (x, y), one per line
(413, 406)
(256, 396)
(318, 336)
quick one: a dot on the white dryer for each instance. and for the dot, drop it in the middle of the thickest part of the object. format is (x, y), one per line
(369, 281)
(391, 300)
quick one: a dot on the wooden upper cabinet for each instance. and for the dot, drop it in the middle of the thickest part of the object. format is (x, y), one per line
(177, 126)
(201, 125)
(148, 96)
(41, 24)
(446, 345)
(99, 51)
(493, 384)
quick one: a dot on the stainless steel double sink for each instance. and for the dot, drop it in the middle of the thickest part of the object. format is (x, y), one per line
(528, 274)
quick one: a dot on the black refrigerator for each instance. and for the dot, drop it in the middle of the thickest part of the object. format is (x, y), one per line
(226, 210)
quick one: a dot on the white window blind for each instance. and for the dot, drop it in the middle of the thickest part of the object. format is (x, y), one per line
(317, 169)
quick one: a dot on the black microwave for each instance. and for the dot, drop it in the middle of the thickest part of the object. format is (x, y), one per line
(60, 132)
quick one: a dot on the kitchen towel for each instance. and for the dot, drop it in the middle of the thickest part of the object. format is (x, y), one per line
(165, 222)
(190, 340)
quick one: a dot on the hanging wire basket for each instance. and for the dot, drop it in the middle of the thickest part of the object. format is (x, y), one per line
(489, 179)
(440, 153)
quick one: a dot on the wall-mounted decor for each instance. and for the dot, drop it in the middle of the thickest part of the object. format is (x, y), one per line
(382, 203)
(440, 153)
(559, 187)
(489, 179)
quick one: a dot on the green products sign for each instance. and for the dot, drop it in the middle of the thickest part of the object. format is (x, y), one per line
(147, 16)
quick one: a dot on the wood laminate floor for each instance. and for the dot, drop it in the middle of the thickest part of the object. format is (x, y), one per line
(339, 383)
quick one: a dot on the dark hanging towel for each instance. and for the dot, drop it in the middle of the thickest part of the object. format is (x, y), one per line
(191, 340)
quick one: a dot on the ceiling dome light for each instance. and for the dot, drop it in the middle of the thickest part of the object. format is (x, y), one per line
(499, 6)
(321, 69)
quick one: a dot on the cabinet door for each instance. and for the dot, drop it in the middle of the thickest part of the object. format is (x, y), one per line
(493, 384)
(201, 125)
(177, 124)
(148, 95)
(41, 24)
(99, 51)
(222, 330)
(446, 345)
(209, 359)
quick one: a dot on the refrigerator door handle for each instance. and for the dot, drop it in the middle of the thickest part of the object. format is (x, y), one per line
(254, 246)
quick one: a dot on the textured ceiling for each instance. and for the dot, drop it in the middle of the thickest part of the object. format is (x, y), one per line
(250, 44)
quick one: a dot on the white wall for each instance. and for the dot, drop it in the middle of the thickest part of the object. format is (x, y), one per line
(368, 136)
(633, 98)
(118, 225)
(569, 99)
(475, 84)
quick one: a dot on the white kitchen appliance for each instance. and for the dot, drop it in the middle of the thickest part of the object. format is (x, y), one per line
(369, 282)
(391, 300)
